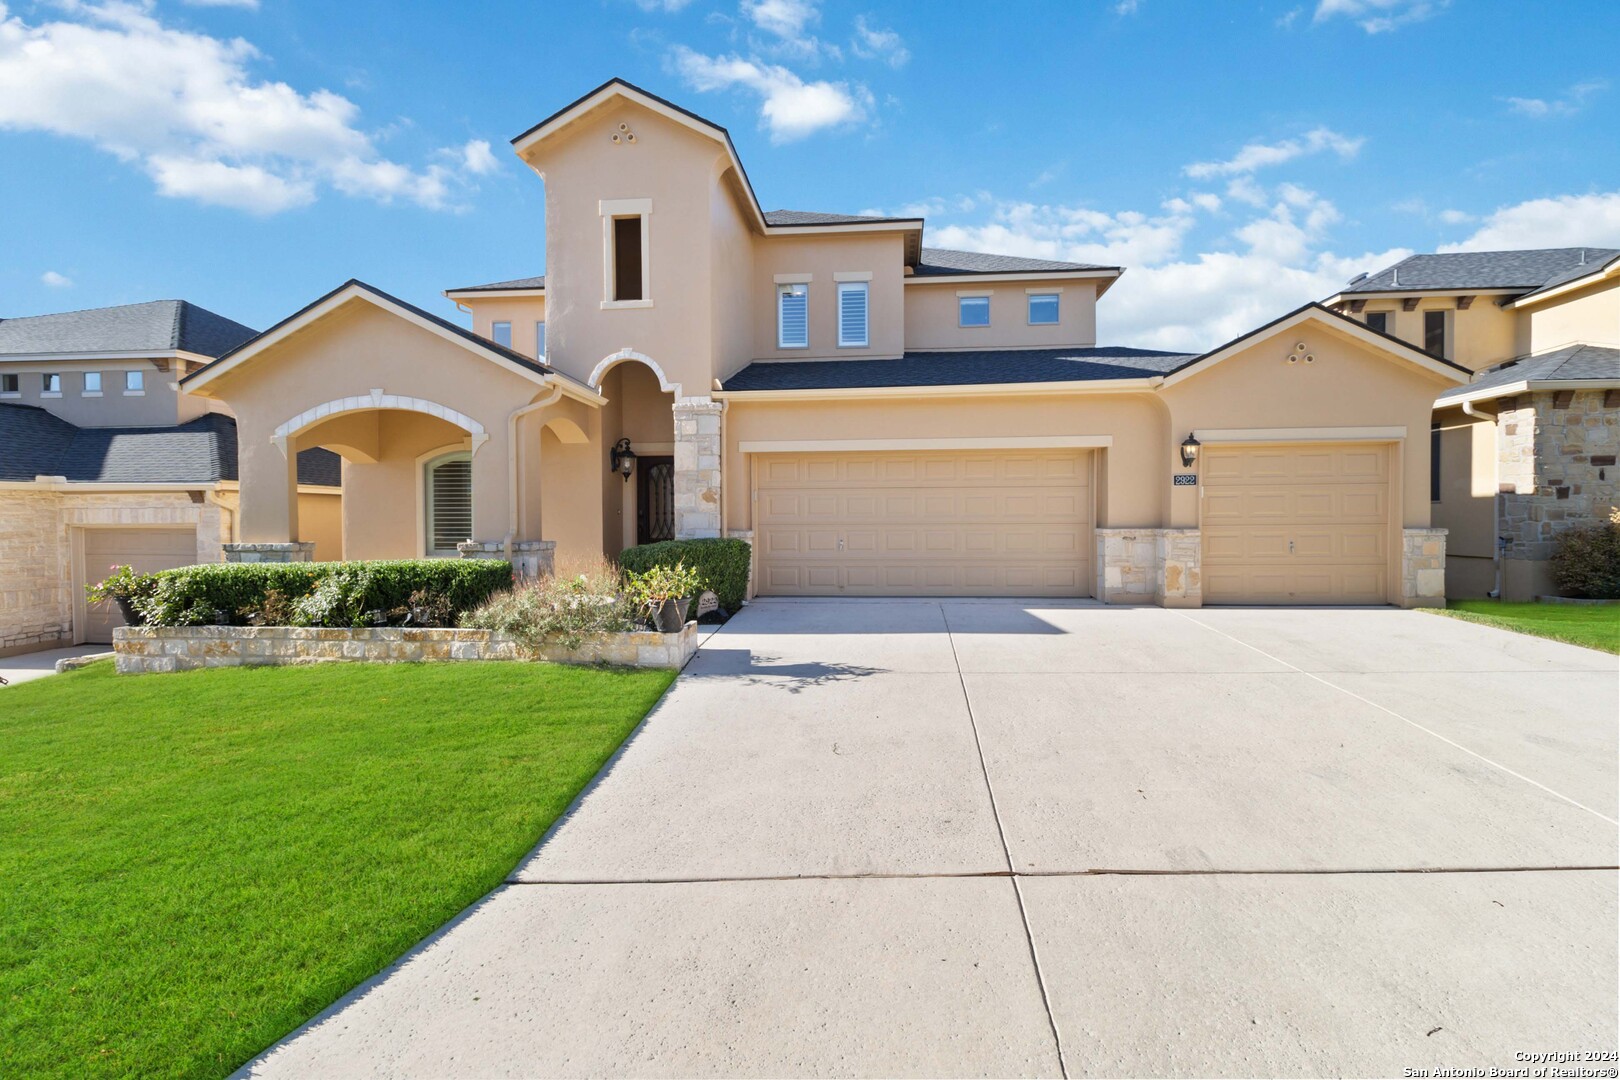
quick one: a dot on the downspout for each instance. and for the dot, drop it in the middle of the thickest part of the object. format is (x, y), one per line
(512, 486)
(1496, 508)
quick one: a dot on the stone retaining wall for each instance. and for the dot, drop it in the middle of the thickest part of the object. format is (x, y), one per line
(150, 649)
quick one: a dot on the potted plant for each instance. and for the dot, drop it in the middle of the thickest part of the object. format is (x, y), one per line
(665, 594)
(123, 586)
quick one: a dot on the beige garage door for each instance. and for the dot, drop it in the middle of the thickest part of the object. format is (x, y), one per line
(144, 549)
(1296, 524)
(934, 523)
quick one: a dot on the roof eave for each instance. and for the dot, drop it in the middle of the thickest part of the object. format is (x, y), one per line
(1067, 386)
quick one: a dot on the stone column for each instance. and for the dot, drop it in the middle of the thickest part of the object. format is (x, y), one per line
(1423, 568)
(697, 469)
(295, 551)
(530, 558)
(1129, 566)
(1181, 576)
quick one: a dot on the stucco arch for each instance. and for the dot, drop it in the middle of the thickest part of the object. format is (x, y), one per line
(375, 401)
(567, 431)
(608, 363)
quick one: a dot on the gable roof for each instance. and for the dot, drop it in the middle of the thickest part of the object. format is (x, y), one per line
(156, 327)
(975, 368)
(792, 218)
(521, 284)
(946, 261)
(1584, 364)
(34, 443)
(1529, 270)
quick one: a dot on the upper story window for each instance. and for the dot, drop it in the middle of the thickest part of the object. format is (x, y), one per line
(10, 384)
(1380, 321)
(92, 382)
(793, 316)
(1043, 309)
(973, 311)
(1434, 333)
(626, 278)
(50, 384)
(501, 334)
(134, 382)
(852, 314)
(539, 339)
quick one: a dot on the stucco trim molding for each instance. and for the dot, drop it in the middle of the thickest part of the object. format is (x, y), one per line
(665, 383)
(1293, 435)
(374, 401)
(1032, 442)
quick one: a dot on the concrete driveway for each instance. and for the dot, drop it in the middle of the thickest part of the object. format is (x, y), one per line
(1000, 838)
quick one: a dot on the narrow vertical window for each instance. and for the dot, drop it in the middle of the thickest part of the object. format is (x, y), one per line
(852, 332)
(1379, 321)
(501, 333)
(793, 317)
(1043, 309)
(92, 382)
(1434, 333)
(1434, 462)
(627, 258)
(448, 483)
(539, 340)
(973, 311)
(50, 384)
(134, 382)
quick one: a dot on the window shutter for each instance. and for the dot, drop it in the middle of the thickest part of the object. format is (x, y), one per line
(793, 320)
(852, 314)
(449, 503)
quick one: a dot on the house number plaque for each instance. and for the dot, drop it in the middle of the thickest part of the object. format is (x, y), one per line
(1186, 479)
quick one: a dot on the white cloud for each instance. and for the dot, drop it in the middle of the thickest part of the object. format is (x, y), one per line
(667, 6)
(1456, 217)
(790, 108)
(1380, 16)
(784, 18)
(477, 158)
(1127, 7)
(1573, 101)
(184, 108)
(1562, 221)
(1255, 156)
(55, 280)
(874, 43)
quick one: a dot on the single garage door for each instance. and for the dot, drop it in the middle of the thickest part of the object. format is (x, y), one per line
(144, 549)
(934, 523)
(1301, 524)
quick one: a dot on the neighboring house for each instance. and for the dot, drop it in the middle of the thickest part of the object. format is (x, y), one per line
(877, 416)
(104, 461)
(1528, 447)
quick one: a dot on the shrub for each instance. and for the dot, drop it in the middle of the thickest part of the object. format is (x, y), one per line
(1586, 561)
(561, 609)
(321, 594)
(721, 564)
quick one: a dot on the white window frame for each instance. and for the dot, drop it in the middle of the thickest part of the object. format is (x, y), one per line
(612, 210)
(1389, 320)
(787, 288)
(85, 389)
(864, 289)
(974, 296)
(139, 389)
(425, 532)
(45, 390)
(1032, 295)
(540, 339)
(15, 390)
(495, 333)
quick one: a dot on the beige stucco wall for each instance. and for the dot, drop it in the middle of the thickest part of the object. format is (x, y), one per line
(879, 254)
(158, 404)
(1467, 505)
(523, 312)
(931, 316)
(1481, 336)
(1590, 315)
(320, 518)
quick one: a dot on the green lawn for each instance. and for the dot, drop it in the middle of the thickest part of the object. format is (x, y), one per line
(192, 865)
(1594, 625)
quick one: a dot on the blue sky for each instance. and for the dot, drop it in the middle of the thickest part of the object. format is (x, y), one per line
(1237, 158)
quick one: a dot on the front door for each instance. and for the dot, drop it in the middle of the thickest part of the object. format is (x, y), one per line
(655, 499)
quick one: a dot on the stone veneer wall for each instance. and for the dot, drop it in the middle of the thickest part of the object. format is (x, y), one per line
(1556, 467)
(153, 649)
(1423, 567)
(1149, 566)
(697, 469)
(36, 571)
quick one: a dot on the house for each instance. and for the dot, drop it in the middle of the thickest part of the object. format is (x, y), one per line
(1527, 448)
(105, 461)
(879, 417)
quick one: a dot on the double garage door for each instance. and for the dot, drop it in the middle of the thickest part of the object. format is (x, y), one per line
(1296, 524)
(925, 523)
(146, 550)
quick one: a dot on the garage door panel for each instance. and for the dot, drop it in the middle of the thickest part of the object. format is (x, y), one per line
(940, 523)
(144, 550)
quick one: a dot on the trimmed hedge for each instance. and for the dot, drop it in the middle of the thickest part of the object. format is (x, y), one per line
(1586, 562)
(349, 591)
(721, 564)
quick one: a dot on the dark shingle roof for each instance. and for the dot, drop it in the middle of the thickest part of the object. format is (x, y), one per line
(1583, 363)
(811, 217)
(159, 326)
(1529, 270)
(498, 286)
(939, 261)
(34, 443)
(959, 369)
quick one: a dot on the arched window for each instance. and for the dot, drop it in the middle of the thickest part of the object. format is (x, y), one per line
(448, 483)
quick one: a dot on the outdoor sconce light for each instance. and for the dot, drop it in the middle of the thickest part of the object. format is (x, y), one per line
(1189, 450)
(624, 459)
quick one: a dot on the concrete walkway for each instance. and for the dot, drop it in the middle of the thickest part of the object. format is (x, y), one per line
(36, 665)
(956, 838)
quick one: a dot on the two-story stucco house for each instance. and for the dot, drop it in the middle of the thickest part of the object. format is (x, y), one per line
(105, 461)
(1528, 447)
(877, 416)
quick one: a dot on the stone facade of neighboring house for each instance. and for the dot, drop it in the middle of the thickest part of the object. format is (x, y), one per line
(1558, 453)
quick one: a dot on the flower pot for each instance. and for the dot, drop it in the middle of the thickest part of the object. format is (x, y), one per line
(669, 616)
(126, 608)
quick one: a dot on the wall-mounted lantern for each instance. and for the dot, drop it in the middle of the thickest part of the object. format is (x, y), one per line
(624, 459)
(1189, 450)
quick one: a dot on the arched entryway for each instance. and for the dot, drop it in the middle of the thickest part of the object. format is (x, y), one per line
(642, 507)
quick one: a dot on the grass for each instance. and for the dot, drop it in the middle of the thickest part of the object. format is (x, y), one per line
(195, 864)
(1595, 626)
